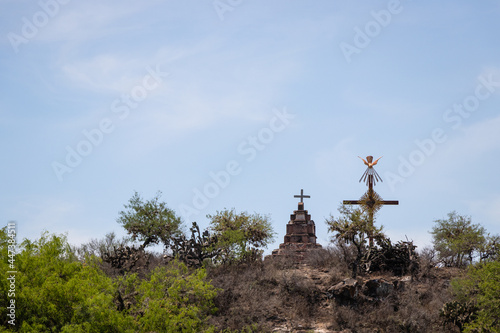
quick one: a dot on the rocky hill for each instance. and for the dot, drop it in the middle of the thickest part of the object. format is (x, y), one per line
(318, 295)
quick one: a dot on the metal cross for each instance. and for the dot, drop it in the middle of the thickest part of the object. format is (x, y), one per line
(301, 196)
(371, 201)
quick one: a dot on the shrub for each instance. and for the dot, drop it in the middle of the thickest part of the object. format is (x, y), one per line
(478, 298)
(173, 300)
(240, 237)
(150, 222)
(354, 227)
(457, 240)
(55, 292)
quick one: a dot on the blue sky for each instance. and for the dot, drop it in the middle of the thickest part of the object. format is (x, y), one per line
(222, 104)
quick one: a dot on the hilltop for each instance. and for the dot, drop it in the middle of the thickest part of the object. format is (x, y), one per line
(318, 295)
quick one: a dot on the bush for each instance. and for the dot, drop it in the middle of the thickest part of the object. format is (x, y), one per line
(478, 298)
(457, 240)
(399, 258)
(173, 300)
(55, 292)
(150, 222)
(240, 237)
(354, 227)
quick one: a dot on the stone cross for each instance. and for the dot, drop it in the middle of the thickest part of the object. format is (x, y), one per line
(300, 235)
(301, 196)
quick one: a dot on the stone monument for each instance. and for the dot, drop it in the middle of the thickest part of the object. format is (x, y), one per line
(300, 232)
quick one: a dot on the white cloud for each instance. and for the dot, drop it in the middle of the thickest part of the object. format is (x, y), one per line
(79, 21)
(115, 73)
(105, 73)
(465, 147)
(193, 96)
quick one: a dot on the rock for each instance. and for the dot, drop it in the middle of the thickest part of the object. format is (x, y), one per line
(402, 282)
(345, 291)
(351, 291)
(378, 288)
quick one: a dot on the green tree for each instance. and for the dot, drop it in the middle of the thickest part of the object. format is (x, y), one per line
(55, 292)
(353, 226)
(240, 236)
(150, 222)
(479, 291)
(174, 300)
(457, 240)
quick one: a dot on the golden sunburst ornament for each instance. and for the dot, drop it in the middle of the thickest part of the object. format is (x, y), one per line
(371, 201)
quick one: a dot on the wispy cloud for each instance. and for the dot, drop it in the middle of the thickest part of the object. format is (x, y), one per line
(82, 21)
(104, 73)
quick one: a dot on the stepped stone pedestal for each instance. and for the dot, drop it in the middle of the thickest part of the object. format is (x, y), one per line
(300, 234)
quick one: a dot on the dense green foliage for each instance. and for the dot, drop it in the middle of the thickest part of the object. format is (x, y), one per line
(176, 301)
(240, 236)
(479, 292)
(457, 240)
(57, 293)
(150, 222)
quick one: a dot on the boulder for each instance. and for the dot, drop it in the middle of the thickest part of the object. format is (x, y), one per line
(345, 291)
(378, 288)
(351, 291)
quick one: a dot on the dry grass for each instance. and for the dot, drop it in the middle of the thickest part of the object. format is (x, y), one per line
(278, 293)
